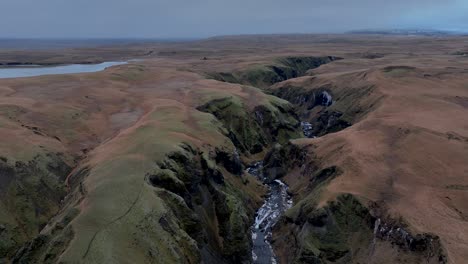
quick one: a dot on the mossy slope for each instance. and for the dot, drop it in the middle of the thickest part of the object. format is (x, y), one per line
(345, 229)
(172, 187)
(281, 69)
(31, 193)
(253, 130)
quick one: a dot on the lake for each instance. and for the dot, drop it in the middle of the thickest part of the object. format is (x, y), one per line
(30, 71)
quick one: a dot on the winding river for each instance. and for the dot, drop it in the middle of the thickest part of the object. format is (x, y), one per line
(277, 202)
(38, 70)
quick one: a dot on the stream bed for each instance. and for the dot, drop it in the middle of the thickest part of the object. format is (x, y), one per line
(276, 203)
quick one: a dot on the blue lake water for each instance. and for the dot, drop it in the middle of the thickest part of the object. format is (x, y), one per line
(30, 71)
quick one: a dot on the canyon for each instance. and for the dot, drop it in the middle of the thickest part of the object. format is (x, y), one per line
(239, 149)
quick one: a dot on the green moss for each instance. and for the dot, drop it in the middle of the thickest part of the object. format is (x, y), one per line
(168, 180)
(329, 233)
(243, 130)
(276, 166)
(398, 71)
(187, 219)
(47, 247)
(302, 64)
(11, 239)
(185, 180)
(260, 76)
(251, 131)
(281, 69)
(234, 223)
(307, 203)
(32, 193)
(223, 77)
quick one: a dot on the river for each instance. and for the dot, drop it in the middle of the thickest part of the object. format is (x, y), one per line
(277, 202)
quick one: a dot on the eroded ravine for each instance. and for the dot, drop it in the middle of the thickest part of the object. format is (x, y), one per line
(276, 203)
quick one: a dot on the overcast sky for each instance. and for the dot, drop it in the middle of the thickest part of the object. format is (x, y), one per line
(203, 18)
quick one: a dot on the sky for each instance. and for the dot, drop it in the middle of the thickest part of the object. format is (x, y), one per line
(205, 18)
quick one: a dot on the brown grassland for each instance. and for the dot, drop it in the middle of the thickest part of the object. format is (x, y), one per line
(123, 165)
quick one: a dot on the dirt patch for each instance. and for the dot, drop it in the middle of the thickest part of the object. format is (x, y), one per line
(125, 118)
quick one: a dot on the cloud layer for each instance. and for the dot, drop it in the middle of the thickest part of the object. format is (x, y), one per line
(202, 18)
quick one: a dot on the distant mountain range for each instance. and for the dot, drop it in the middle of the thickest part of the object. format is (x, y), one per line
(417, 32)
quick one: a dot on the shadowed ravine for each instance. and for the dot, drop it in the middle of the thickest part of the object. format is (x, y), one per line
(277, 202)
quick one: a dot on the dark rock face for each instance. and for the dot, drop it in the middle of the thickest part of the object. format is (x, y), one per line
(35, 186)
(326, 232)
(166, 180)
(252, 131)
(321, 176)
(328, 122)
(327, 108)
(230, 161)
(425, 244)
(242, 129)
(325, 121)
(46, 248)
(280, 159)
(190, 184)
(306, 99)
(460, 53)
(7, 174)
